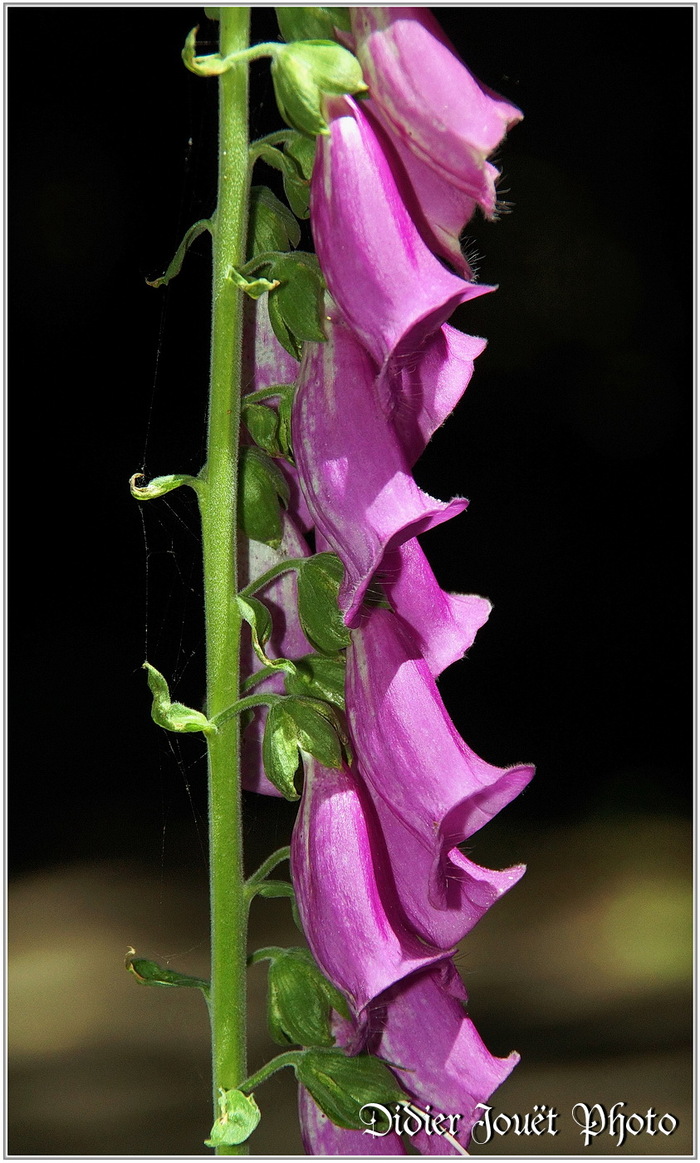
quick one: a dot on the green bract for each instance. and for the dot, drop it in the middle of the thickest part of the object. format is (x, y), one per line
(159, 486)
(149, 973)
(342, 1086)
(173, 716)
(306, 69)
(239, 1117)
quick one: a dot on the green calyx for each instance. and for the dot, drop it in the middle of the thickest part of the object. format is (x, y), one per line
(303, 72)
(312, 23)
(319, 583)
(297, 724)
(300, 999)
(342, 1085)
(263, 489)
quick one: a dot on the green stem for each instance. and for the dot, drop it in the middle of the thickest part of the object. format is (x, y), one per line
(248, 703)
(268, 865)
(287, 1059)
(218, 501)
(279, 137)
(272, 572)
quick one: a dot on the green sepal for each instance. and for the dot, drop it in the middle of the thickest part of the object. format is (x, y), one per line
(179, 256)
(262, 422)
(258, 617)
(342, 1085)
(295, 162)
(149, 973)
(240, 1115)
(318, 729)
(299, 1001)
(318, 677)
(280, 751)
(212, 13)
(312, 23)
(159, 486)
(253, 288)
(284, 428)
(319, 581)
(300, 152)
(305, 70)
(173, 716)
(262, 489)
(272, 224)
(296, 307)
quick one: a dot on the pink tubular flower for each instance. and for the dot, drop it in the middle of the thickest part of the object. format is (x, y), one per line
(444, 625)
(428, 100)
(421, 1030)
(419, 392)
(322, 1137)
(353, 471)
(345, 891)
(390, 289)
(410, 753)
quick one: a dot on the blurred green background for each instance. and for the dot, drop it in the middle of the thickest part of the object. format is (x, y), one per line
(574, 444)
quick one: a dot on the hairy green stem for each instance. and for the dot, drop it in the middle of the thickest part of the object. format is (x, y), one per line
(287, 1059)
(273, 572)
(218, 503)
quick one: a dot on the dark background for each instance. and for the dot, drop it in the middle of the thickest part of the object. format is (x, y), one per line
(573, 441)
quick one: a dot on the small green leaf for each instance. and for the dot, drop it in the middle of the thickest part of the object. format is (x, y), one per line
(318, 677)
(319, 581)
(306, 69)
(299, 1001)
(280, 750)
(311, 23)
(272, 225)
(179, 256)
(262, 489)
(342, 1085)
(240, 1115)
(212, 13)
(173, 716)
(159, 486)
(149, 973)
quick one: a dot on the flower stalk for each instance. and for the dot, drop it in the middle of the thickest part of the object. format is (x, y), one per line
(218, 506)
